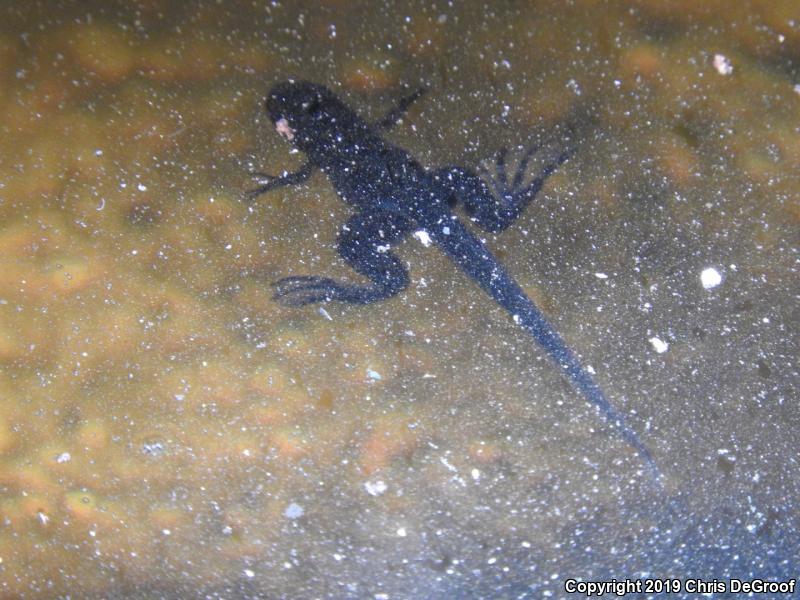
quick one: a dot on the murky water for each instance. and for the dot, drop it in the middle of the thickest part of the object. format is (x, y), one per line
(167, 429)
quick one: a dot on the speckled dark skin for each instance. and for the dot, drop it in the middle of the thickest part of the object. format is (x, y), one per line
(393, 197)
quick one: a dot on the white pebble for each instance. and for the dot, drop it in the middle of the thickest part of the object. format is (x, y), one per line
(423, 237)
(722, 64)
(710, 278)
(659, 346)
(376, 488)
(293, 511)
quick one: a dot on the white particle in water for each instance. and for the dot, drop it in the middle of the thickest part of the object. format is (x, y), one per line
(447, 465)
(722, 64)
(376, 488)
(423, 237)
(659, 346)
(710, 278)
(293, 511)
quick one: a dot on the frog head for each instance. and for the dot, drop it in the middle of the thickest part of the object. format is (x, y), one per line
(301, 111)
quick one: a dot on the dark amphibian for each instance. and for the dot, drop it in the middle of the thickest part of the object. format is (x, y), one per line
(394, 196)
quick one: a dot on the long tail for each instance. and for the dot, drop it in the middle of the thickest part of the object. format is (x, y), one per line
(472, 256)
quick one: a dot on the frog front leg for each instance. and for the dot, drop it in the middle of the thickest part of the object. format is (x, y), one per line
(268, 182)
(391, 118)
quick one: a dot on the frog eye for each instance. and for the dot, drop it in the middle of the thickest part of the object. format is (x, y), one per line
(313, 107)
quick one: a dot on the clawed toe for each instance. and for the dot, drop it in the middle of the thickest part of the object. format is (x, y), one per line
(294, 281)
(262, 179)
(265, 182)
(513, 188)
(522, 167)
(251, 195)
(300, 298)
(485, 173)
(302, 290)
(500, 163)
